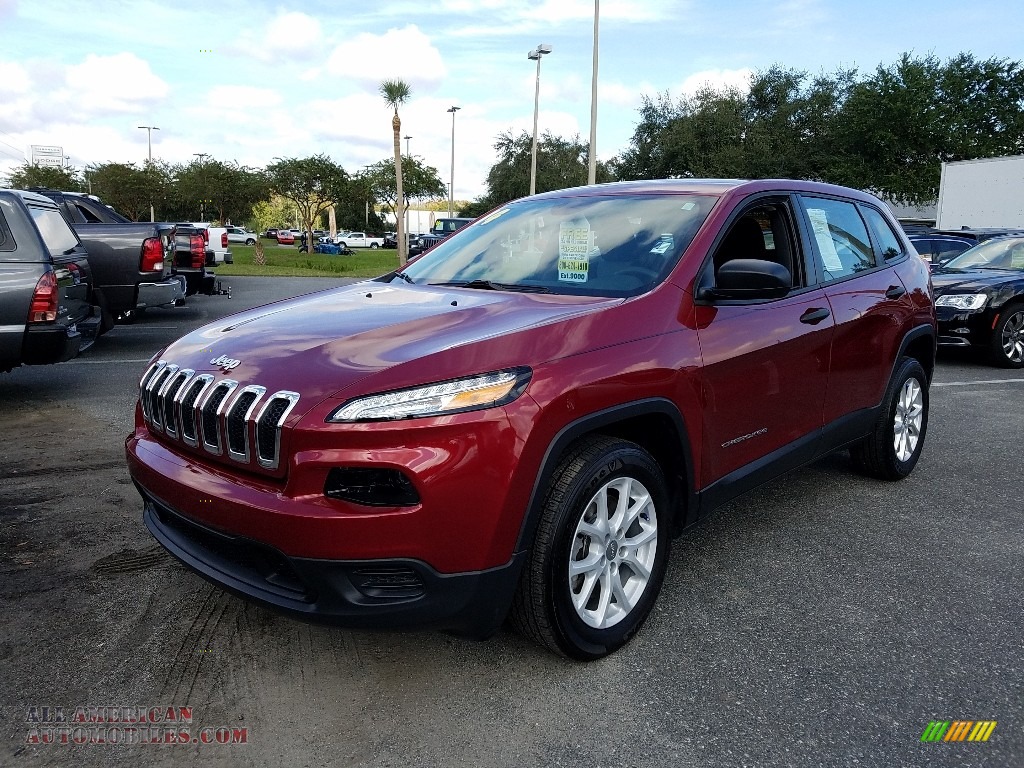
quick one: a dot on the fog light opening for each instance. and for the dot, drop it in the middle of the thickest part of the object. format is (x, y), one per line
(371, 486)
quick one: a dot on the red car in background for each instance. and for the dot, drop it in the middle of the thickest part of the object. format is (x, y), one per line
(284, 237)
(521, 421)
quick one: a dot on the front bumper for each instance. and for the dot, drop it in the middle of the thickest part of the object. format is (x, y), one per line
(960, 328)
(366, 594)
(161, 294)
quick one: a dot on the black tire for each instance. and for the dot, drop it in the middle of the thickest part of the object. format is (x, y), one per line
(877, 455)
(543, 607)
(373, 246)
(1006, 347)
(250, 241)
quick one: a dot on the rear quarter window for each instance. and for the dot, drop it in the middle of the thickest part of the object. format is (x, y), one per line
(6, 238)
(56, 232)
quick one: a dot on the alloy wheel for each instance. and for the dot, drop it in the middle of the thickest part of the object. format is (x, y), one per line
(908, 420)
(613, 552)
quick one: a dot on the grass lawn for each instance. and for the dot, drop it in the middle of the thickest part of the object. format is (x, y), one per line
(286, 261)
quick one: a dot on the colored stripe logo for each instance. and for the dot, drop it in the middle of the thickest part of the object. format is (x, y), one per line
(958, 730)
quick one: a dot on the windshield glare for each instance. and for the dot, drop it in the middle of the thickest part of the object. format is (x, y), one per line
(591, 246)
(1004, 253)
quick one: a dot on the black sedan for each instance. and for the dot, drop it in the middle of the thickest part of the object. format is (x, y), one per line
(979, 300)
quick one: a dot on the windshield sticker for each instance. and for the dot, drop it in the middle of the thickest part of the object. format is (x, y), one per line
(575, 239)
(829, 256)
(664, 244)
(491, 217)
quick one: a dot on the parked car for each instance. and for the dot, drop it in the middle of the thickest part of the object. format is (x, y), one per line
(359, 240)
(241, 235)
(979, 300)
(520, 421)
(442, 229)
(285, 237)
(195, 260)
(130, 261)
(937, 249)
(270, 234)
(47, 314)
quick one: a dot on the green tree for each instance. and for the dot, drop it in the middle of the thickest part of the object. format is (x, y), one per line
(312, 184)
(214, 189)
(561, 163)
(396, 93)
(65, 179)
(419, 182)
(130, 189)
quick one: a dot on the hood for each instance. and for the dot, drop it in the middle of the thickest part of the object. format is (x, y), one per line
(971, 280)
(321, 343)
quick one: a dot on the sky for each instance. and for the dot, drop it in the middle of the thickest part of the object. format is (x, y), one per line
(252, 80)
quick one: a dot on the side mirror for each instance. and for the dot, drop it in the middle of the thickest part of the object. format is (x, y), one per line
(740, 279)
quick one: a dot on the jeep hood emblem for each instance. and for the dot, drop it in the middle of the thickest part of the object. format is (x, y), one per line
(225, 363)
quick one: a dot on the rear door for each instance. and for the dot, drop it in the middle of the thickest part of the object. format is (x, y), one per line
(765, 361)
(854, 252)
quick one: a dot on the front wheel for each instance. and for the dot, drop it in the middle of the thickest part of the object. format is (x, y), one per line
(893, 448)
(1007, 345)
(600, 552)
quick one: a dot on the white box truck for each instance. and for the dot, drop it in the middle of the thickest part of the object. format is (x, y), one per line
(982, 193)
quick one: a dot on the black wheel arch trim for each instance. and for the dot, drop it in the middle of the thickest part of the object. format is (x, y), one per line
(909, 338)
(595, 422)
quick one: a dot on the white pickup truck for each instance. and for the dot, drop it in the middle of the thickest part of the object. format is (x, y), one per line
(358, 240)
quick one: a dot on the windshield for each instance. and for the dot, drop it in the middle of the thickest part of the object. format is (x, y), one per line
(615, 245)
(1002, 253)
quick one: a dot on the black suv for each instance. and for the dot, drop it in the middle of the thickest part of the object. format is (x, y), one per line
(443, 228)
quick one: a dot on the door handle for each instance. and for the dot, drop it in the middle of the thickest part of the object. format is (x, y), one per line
(895, 291)
(814, 316)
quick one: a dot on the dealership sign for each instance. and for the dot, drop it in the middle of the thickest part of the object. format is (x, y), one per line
(49, 156)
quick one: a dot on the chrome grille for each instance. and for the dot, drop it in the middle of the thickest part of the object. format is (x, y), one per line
(268, 427)
(238, 421)
(222, 417)
(213, 408)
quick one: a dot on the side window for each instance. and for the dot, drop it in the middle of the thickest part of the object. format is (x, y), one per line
(838, 231)
(885, 238)
(87, 215)
(763, 232)
(6, 240)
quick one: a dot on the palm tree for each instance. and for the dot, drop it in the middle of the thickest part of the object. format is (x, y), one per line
(395, 93)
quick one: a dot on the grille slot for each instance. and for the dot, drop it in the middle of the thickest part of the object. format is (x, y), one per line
(238, 422)
(188, 395)
(211, 412)
(268, 427)
(156, 386)
(168, 395)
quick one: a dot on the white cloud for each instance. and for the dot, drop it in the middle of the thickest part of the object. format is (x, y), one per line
(288, 36)
(717, 79)
(89, 84)
(405, 53)
(13, 78)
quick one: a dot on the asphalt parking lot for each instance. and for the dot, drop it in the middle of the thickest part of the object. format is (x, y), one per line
(824, 619)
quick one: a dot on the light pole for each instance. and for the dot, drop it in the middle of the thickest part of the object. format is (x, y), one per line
(149, 142)
(407, 145)
(451, 179)
(406, 216)
(535, 55)
(592, 169)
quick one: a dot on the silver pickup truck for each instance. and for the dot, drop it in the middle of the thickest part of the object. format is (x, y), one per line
(47, 314)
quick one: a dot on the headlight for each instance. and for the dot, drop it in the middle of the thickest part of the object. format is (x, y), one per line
(962, 300)
(469, 394)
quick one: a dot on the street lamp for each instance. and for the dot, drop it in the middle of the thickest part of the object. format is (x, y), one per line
(149, 141)
(407, 145)
(535, 55)
(592, 169)
(451, 183)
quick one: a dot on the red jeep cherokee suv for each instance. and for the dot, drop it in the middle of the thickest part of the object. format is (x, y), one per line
(519, 422)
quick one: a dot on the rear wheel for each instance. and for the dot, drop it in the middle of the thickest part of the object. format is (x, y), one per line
(1006, 348)
(250, 241)
(600, 552)
(373, 246)
(892, 450)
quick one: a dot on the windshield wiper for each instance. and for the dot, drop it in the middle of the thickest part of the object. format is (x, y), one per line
(403, 276)
(489, 285)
